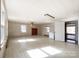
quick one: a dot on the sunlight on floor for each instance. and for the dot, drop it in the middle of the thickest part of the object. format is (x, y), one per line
(43, 52)
(51, 50)
(26, 40)
(36, 53)
(39, 47)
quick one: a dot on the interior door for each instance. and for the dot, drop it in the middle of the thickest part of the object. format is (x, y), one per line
(34, 31)
(71, 31)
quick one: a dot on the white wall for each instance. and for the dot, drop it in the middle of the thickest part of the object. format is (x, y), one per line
(59, 31)
(58, 27)
(43, 30)
(15, 29)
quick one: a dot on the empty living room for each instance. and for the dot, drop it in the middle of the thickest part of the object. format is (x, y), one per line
(39, 29)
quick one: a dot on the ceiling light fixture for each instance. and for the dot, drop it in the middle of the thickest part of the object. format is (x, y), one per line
(49, 15)
(32, 23)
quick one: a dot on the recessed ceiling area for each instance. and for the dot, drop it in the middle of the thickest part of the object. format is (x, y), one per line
(34, 10)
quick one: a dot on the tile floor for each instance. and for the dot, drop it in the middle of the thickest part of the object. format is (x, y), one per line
(40, 47)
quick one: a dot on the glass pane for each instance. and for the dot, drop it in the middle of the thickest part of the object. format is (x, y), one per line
(47, 29)
(2, 34)
(2, 19)
(23, 28)
(71, 36)
(71, 30)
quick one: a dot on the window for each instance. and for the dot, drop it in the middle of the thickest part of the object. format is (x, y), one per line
(2, 19)
(23, 28)
(2, 34)
(71, 30)
(47, 29)
(2, 27)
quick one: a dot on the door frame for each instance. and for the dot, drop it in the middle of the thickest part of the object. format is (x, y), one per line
(76, 30)
(32, 31)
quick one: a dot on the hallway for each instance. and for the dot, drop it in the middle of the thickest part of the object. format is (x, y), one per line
(41, 47)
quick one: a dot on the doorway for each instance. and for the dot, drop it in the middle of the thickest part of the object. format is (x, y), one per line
(34, 31)
(71, 31)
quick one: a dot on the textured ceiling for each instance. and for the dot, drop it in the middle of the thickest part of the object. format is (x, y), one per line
(34, 10)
